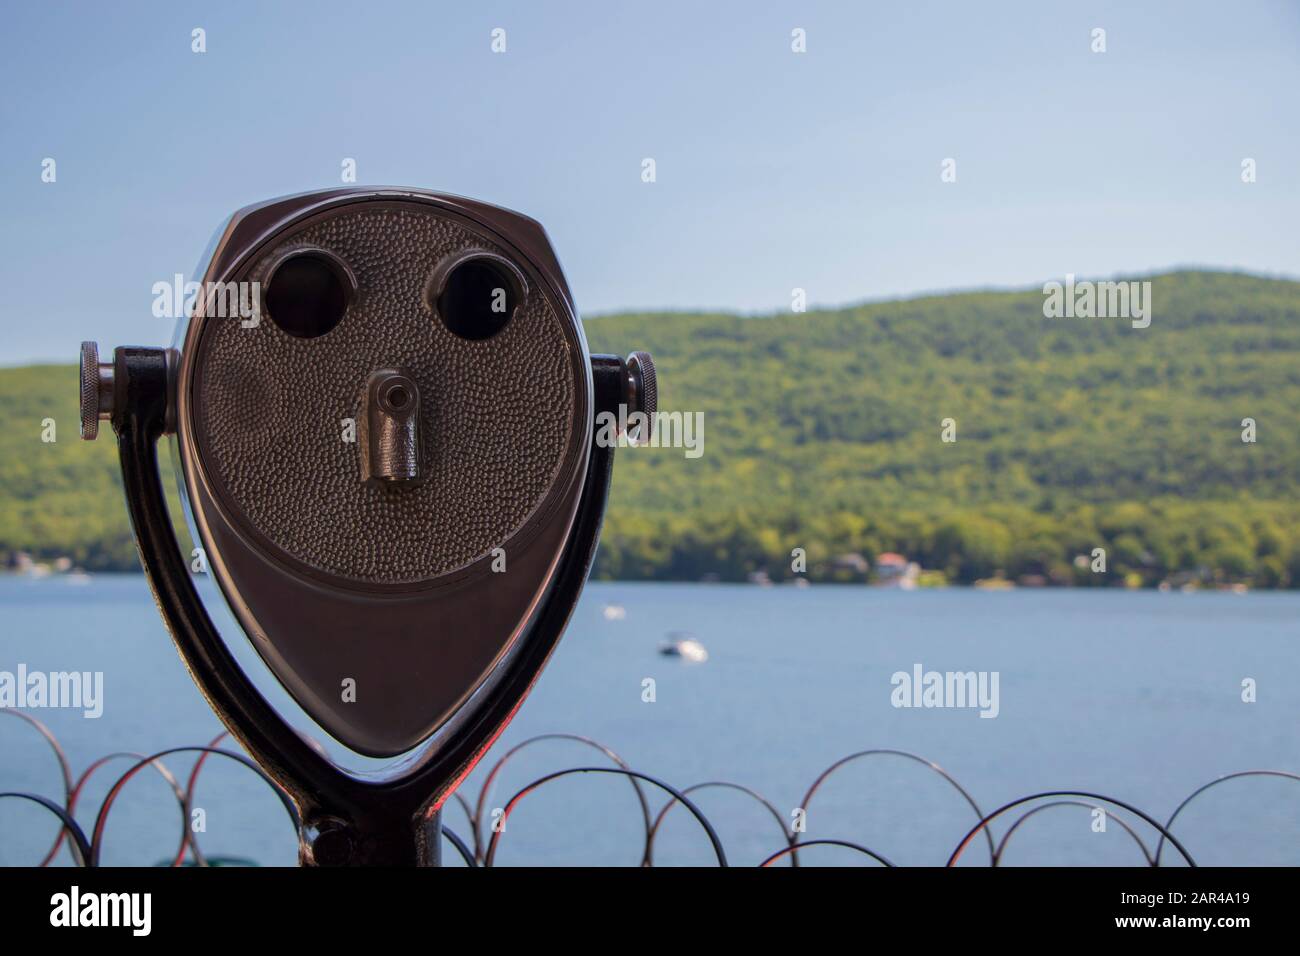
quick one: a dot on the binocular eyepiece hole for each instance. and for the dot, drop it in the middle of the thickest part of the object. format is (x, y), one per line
(476, 295)
(308, 292)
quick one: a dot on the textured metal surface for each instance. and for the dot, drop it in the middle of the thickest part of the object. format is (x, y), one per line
(89, 391)
(649, 382)
(497, 415)
(641, 368)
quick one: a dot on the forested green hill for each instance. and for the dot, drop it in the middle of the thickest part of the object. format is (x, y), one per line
(822, 432)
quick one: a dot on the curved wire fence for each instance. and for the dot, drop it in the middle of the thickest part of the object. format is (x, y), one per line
(487, 827)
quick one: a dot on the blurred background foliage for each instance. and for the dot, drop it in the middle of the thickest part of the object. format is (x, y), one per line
(822, 432)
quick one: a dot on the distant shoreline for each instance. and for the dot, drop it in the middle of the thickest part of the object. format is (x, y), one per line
(792, 583)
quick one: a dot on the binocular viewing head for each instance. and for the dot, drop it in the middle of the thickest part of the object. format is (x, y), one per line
(383, 407)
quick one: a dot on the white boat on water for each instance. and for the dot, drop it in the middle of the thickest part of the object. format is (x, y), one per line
(614, 612)
(685, 646)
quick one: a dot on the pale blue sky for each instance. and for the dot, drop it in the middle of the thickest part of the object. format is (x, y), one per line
(775, 170)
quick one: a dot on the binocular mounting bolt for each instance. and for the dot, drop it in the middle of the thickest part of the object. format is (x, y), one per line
(332, 844)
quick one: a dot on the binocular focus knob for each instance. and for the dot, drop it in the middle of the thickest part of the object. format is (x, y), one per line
(96, 390)
(641, 390)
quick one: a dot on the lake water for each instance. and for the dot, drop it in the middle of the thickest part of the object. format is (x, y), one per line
(1135, 695)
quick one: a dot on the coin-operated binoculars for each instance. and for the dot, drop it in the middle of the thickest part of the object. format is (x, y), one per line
(384, 414)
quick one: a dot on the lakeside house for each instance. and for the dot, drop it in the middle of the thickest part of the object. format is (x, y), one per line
(22, 563)
(895, 571)
(850, 565)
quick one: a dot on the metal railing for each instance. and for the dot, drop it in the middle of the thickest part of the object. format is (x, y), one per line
(487, 827)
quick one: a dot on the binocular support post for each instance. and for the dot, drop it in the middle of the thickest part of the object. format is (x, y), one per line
(344, 821)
